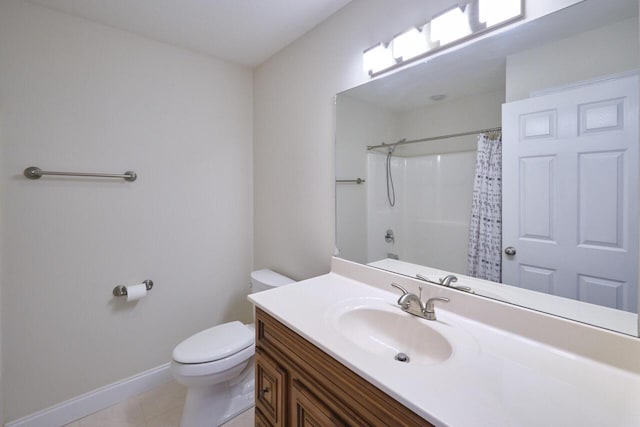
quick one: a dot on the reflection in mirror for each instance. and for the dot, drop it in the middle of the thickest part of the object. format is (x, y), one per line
(511, 162)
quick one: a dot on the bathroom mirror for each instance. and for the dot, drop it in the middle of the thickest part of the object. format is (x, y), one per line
(550, 107)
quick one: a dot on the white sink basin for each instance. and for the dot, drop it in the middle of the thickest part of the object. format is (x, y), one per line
(386, 331)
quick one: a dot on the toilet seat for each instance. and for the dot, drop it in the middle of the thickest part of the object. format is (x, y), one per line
(214, 344)
(214, 367)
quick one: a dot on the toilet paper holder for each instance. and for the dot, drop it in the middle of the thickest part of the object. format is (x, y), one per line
(121, 290)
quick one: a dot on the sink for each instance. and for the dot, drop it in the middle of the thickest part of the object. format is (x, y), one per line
(387, 331)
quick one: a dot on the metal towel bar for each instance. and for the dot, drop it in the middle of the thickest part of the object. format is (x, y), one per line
(33, 172)
(356, 181)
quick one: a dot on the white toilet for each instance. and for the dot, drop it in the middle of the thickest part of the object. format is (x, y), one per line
(216, 365)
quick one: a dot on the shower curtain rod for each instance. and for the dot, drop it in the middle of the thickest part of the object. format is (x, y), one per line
(433, 138)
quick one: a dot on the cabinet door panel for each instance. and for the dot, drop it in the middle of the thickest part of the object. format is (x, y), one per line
(261, 420)
(270, 389)
(309, 411)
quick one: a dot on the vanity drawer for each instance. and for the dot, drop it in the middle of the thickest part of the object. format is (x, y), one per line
(270, 389)
(319, 386)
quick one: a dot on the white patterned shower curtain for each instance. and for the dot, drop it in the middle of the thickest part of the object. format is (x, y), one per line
(484, 257)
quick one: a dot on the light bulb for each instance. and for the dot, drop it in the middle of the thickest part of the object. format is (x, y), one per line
(450, 26)
(409, 44)
(492, 12)
(377, 58)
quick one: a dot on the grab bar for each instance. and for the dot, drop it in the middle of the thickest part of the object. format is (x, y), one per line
(33, 172)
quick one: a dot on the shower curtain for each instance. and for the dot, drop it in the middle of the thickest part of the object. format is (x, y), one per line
(484, 257)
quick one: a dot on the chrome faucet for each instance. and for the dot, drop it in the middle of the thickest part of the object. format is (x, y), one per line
(412, 304)
(446, 281)
(449, 279)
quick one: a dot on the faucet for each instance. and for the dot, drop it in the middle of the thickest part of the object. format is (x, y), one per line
(449, 279)
(446, 281)
(412, 304)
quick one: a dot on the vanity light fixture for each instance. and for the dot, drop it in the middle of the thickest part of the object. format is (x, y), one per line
(493, 12)
(461, 22)
(451, 25)
(377, 58)
(409, 44)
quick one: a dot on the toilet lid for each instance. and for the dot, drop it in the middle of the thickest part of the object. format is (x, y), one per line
(214, 343)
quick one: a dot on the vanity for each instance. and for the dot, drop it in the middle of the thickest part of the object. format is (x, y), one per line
(326, 352)
(299, 384)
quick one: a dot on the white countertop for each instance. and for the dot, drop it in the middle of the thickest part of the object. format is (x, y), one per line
(493, 377)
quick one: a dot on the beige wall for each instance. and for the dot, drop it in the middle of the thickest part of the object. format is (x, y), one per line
(79, 96)
(604, 51)
(2, 418)
(294, 124)
(481, 111)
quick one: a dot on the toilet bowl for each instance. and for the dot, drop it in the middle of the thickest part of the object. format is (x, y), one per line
(216, 366)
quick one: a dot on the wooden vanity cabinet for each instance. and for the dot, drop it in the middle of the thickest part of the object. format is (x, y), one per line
(297, 384)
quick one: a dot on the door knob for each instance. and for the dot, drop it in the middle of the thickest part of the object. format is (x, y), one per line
(510, 251)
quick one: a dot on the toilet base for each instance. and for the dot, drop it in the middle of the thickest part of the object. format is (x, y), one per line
(213, 405)
(243, 392)
(239, 404)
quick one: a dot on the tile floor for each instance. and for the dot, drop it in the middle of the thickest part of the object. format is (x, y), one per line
(159, 407)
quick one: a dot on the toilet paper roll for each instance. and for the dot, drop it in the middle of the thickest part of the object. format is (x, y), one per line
(135, 292)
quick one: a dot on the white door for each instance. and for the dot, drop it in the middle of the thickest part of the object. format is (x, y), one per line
(570, 193)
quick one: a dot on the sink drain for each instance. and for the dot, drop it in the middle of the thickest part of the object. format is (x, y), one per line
(401, 357)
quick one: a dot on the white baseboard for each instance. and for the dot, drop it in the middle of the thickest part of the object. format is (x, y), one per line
(96, 400)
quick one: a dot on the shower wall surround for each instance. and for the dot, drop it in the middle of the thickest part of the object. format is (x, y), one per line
(433, 199)
(84, 97)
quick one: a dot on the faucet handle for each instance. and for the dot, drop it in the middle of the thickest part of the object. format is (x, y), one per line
(448, 280)
(429, 309)
(403, 301)
(430, 301)
(426, 279)
(404, 291)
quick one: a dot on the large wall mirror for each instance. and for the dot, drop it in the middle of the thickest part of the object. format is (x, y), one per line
(511, 162)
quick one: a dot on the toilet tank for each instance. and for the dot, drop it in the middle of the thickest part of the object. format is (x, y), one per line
(261, 280)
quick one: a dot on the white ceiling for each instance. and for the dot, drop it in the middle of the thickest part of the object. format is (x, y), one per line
(242, 31)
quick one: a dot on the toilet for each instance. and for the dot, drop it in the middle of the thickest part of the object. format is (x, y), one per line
(216, 365)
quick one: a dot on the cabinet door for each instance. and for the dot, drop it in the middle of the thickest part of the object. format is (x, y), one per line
(270, 389)
(260, 420)
(308, 410)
